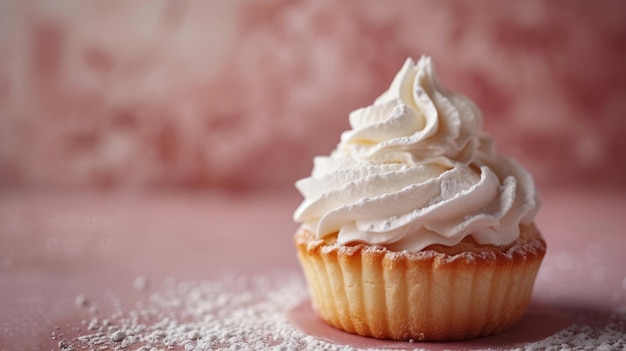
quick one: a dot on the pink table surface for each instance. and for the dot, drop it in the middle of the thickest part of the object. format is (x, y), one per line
(55, 246)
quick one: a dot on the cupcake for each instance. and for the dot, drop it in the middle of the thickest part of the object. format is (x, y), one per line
(414, 227)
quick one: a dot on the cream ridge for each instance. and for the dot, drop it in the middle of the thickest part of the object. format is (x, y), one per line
(416, 169)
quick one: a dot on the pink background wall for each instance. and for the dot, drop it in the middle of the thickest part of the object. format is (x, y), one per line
(242, 94)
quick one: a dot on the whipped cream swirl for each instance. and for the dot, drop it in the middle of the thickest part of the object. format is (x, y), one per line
(416, 170)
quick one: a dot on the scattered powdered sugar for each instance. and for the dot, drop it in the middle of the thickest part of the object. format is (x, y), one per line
(251, 313)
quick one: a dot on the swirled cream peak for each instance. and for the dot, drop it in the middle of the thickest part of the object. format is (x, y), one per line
(416, 170)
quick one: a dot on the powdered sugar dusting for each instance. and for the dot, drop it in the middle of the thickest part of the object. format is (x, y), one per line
(251, 313)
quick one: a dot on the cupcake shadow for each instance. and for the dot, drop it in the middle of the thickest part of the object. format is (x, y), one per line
(540, 321)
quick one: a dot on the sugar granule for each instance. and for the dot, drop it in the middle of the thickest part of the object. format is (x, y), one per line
(81, 301)
(141, 283)
(118, 336)
(250, 313)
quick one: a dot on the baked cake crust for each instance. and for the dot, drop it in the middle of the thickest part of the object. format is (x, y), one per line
(440, 293)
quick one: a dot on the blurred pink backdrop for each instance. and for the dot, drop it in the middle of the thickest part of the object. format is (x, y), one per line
(242, 94)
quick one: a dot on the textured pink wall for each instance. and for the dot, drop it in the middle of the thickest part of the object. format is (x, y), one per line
(243, 94)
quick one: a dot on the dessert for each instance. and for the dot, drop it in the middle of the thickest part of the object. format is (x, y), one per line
(414, 227)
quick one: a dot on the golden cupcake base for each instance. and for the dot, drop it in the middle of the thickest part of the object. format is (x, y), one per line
(440, 293)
